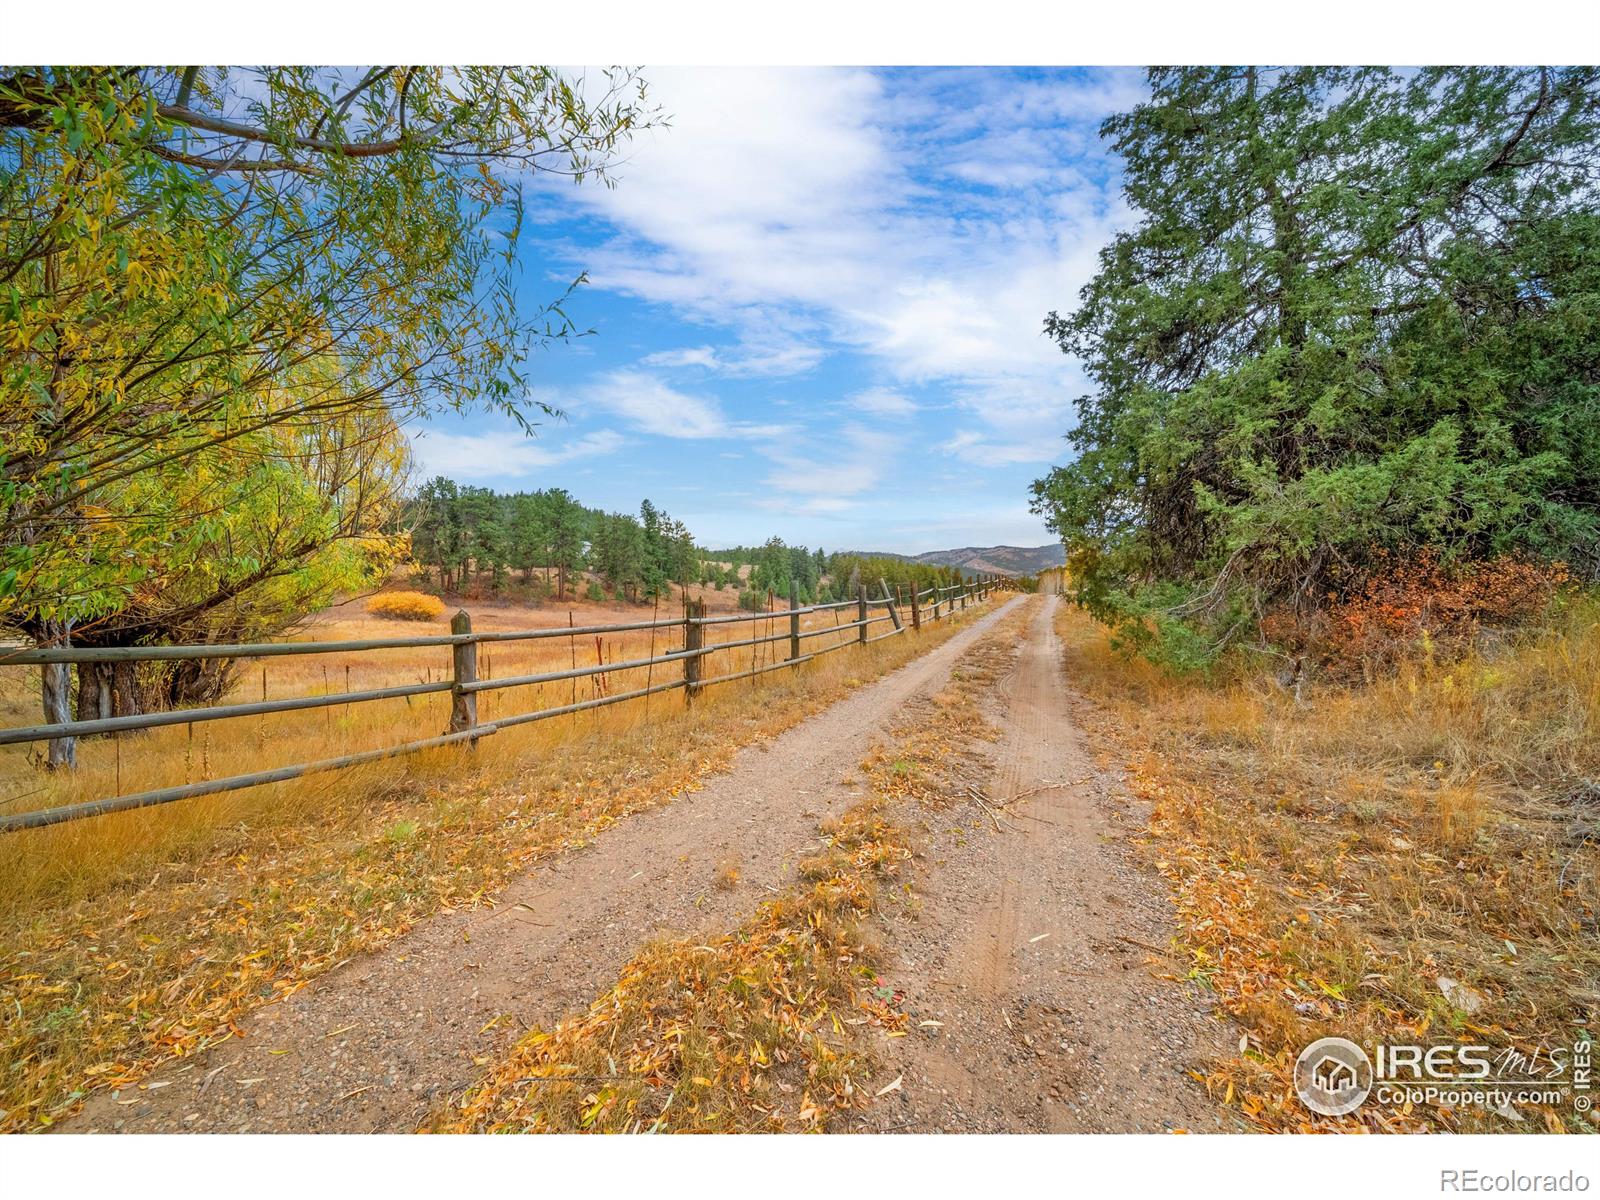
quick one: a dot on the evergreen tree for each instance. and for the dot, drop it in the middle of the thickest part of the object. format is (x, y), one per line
(1360, 311)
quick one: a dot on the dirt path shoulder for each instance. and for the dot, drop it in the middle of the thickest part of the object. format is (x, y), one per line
(1031, 966)
(374, 1045)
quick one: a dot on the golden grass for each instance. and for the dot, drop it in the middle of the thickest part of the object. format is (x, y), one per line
(130, 939)
(1331, 861)
(771, 1027)
(74, 858)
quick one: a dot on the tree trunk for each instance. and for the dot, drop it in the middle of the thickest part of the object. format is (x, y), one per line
(55, 690)
(125, 690)
(94, 691)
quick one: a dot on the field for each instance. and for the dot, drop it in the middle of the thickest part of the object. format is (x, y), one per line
(181, 754)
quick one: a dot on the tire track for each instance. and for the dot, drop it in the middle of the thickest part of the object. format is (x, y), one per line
(1033, 1011)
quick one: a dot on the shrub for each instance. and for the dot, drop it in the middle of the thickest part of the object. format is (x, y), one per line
(406, 606)
(1420, 604)
(593, 593)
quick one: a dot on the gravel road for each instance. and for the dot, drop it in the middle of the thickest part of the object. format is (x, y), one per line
(1031, 967)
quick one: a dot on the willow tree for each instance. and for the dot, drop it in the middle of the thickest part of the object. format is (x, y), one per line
(1359, 310)
(191, 257)
(259, 531)
(200, 268)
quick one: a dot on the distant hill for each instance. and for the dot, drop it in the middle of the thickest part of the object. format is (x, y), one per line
(993, 560)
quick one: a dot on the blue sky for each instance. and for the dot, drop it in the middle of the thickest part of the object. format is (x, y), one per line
(817, 300)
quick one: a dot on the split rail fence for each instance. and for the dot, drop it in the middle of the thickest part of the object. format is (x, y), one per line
(464, 684)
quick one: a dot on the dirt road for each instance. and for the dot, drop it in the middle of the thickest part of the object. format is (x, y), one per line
(376, 1044)
(1026, 970)
(1025, 967)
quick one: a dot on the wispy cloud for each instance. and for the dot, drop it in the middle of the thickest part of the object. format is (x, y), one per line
(687, 356)
(501, 454)
(755, 355)
(973, 447)
(652, 406)
(882, 402)
(928, 220)
(842, 466)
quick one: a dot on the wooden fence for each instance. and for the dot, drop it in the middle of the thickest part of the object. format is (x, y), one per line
(464, 685)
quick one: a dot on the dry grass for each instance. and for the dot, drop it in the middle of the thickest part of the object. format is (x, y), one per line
(75, 859)
(771, 1027)
(130, 939)
(1333, 860)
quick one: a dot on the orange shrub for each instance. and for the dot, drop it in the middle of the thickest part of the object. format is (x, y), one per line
(406, 606)
(1414, 604)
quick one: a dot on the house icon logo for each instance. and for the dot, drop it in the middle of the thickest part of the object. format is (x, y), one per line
(1333, 1076)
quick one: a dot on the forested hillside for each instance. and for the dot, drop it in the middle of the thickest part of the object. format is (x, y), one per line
(989, 560)
(463, 536)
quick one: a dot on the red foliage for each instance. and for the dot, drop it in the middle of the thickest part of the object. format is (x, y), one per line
(1406, 604)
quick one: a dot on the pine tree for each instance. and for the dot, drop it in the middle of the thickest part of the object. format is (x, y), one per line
(1360, 311)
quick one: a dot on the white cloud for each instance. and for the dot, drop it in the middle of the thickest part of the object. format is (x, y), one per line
(650, 405)
(501, 454)
(688, 356)
(882, 402)
(770, 354)
(975, 448)
(928, 220)
(847, 464)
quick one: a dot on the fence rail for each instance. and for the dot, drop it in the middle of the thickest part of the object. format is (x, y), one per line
(464, 686)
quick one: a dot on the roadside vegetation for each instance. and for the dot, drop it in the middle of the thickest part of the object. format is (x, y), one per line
(1334, 511)
(1405, 860)
(1357, 324)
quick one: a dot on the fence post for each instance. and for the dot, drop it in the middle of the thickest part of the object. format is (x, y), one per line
(464, 661)
(693, 639)
(794, 619)
(861, 613)
(916, 609)
(894, 612)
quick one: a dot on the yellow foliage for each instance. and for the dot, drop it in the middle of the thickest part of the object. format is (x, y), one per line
(406, 606)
